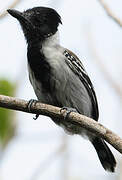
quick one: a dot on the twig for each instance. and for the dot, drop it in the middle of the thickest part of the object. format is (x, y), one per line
(101, 66)
(74, 118)
(110, 14)
(65, 159)
(47, 163)
(4, 13)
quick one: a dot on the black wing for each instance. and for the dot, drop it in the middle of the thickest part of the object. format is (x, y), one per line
(77, 67)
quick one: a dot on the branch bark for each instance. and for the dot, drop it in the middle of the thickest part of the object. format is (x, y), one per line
(4, 13)
(110, 13)
(74, 118)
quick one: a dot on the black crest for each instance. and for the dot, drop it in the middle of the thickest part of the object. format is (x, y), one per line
(38, 22)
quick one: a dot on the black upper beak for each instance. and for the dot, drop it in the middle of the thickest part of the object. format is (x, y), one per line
(18, 15)
(21, 18)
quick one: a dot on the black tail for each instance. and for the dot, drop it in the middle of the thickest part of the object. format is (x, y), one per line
(105, 155)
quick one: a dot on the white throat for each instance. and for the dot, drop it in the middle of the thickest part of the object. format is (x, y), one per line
(52, 51)
(51, 41)
(51, 47)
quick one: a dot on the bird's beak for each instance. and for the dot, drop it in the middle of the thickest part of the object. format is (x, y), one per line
(21, 18)
(18, 15)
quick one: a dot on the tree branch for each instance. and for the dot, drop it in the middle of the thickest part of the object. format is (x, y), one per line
(110, 14)
(4, 13)
(98, 60)
(74, 118)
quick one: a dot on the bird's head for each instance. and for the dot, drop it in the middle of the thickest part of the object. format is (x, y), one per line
(37, 23)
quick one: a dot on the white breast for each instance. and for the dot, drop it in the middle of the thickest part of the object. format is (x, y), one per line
(55, 57)
(53, 51)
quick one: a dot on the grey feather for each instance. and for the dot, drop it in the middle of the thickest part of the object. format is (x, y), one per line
(67, 88)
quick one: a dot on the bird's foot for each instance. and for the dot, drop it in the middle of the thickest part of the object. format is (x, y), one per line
(36, 117)
(68, 111)
(30, 103)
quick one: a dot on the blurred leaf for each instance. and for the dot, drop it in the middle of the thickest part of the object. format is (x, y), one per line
(7, 125)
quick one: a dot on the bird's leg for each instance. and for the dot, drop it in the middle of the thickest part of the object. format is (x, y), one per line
(30, 102)
(68, 111)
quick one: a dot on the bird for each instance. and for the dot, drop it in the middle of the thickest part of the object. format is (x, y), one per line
(58, 76)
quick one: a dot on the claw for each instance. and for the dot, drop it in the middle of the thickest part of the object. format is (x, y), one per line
(36, 117)
(31, 101)
(68, 111)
